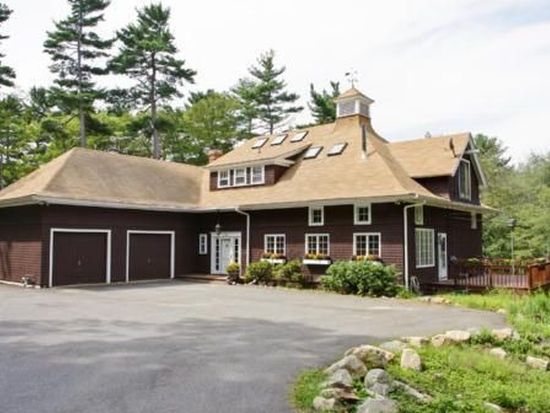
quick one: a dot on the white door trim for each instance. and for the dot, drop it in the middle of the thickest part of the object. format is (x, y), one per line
(81, 231)
(172, 249)
(213, 236)
(442, 276)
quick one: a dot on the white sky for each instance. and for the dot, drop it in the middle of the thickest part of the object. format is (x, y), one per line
(431, 65)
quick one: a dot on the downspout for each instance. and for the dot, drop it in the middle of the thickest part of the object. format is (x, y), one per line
(247, 215)
(406, 239)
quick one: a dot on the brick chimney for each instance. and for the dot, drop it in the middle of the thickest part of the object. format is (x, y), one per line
(214, 154)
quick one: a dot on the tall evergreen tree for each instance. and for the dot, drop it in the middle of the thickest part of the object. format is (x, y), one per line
(147, 54)
(272, 101)
(322, 104)
(244, 92)
(75, 50)
(12, 139)
(7, 74)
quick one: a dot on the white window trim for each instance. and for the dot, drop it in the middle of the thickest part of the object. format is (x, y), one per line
(473, 220)
(432, 264)
(245, 183)
(262, 181)
(203, 244)
(465, 193)
(310, 216)
(419, 215)
(228, 171)
(324, 234)
(367, 234)
(107, 232)
(356, 214)
(275, 244)
(172, 234)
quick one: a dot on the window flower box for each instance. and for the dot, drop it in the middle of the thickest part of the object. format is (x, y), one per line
(274, 260)
(315, 261)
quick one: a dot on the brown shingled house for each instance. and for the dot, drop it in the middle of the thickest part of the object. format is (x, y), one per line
(321, 194)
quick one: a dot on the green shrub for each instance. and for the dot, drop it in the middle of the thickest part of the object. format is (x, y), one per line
(290, 274)
(260, 272)
(233, 268)
(361, 278)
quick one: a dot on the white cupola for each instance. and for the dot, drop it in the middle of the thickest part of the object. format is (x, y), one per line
(353, 102)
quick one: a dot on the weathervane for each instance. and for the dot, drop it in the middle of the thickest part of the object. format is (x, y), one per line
(352, 77)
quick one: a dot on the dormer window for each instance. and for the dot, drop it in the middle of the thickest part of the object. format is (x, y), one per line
(224, 179)
(257, 175)
(244, 176)
(239, 176)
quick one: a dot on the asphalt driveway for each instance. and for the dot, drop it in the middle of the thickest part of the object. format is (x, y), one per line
(185, 347)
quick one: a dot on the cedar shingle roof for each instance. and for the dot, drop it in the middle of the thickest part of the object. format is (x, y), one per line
(88, 177)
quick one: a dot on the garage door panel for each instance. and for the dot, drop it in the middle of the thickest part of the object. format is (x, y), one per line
(149, 256)
(79, 258)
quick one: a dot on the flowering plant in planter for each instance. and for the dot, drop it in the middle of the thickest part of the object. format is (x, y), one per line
(370, 257)
(274, 257)
(320, 258)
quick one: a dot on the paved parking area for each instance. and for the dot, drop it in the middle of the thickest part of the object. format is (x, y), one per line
(187, 347)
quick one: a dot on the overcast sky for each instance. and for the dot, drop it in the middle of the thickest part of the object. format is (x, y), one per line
(430, 65)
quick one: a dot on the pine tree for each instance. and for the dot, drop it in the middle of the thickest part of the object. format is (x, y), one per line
(7, 74)
(75, 50)
(322, 104)
(12, 139)
(244, 92)
(147, 54)
(272, 101)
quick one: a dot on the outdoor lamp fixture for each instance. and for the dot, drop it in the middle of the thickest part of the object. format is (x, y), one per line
(218, 227)
(512, 224)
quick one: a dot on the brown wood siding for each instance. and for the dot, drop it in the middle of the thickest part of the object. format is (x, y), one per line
(438, 185)
(149, 256)
(20, 244)
(79, 258)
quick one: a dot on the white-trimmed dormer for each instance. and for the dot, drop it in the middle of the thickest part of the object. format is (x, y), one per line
(353, 102)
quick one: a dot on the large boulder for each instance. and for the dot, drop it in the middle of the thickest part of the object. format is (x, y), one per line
(322, 404)
(350, 363)
(378, 405)
(411, 360)
(377, 376)
(458, 336)
(506, 333)
(394, 346)
(537, 363)
(416, 341)
(498, 353)
(340, 378)
(372, 356)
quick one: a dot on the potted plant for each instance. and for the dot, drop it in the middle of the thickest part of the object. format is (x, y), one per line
(233, 272)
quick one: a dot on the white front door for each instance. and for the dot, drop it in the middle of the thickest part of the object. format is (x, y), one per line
(442, 256)
(226, 248)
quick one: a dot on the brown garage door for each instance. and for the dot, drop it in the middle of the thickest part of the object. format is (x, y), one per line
(79, 258)
(149, 256)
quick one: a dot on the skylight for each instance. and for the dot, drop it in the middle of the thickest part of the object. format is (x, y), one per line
(259, 143)
(313, 152)
(337, 149)
(278, 139)
(299, 137)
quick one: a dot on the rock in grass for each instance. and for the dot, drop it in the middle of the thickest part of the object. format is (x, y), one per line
(340, 378)
(416, 341)
(440, 340)
(498, 353)
(506, 333)
(381, 389)
(339, 394)
(537, 363)
(411, 360)
(395, 346)
(377, 376)
(350, 363)
(322, 405)
(493, 407)
(502, 311)
(372, 356)
(458, 336)
(411, 391)
(378, 406)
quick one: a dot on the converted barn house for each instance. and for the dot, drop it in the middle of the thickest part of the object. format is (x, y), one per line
(329, 192)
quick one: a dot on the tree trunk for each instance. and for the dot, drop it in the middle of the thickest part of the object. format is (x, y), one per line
(156, 140)
(81, 116)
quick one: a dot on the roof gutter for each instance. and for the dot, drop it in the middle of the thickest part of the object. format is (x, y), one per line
(406, 240)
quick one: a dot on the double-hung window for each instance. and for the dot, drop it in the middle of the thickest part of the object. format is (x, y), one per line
(224, 179)
(362, 214)
(203, 244)
(465, 180)
(275, 244)
(257, 175)
(425, 247)
(239, 176)
(365, 244)
(316, 216)
(318, 244)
